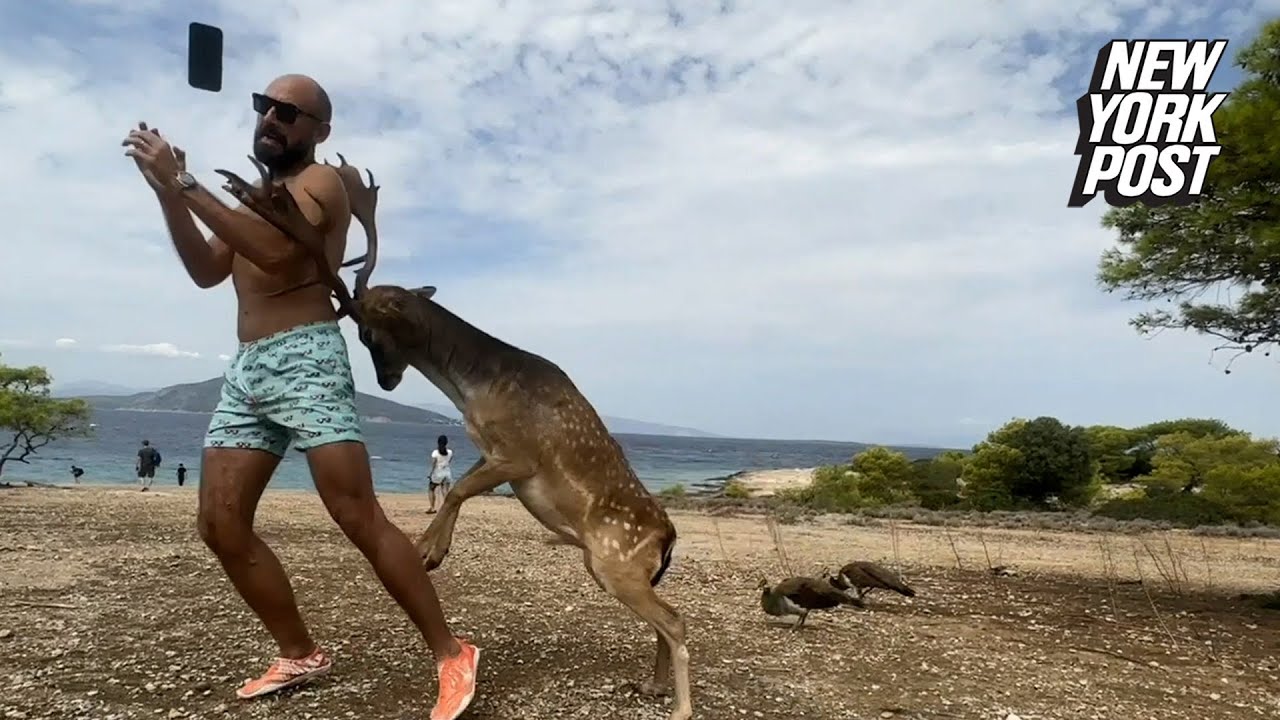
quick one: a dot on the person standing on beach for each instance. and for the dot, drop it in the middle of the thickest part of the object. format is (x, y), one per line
(76, 472)
(290, 381)
(440, 476)
(148, 461)
(182, 474)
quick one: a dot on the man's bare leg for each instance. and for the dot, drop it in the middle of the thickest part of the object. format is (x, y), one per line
(231, 483)
(344, 480)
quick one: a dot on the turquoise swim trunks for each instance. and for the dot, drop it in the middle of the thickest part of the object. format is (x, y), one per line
(294, 386)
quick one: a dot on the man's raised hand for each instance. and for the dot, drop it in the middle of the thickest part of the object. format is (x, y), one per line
(158, 161)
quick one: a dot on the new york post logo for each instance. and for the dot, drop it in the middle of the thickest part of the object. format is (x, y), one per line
(1146, 124)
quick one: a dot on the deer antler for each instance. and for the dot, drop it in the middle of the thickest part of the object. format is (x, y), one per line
(363, 200)
(364, 204)
(277, 206)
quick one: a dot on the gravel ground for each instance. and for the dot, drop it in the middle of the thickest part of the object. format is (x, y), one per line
(113, 609)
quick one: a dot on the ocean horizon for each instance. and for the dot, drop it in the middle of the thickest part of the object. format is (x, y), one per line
(400, 453)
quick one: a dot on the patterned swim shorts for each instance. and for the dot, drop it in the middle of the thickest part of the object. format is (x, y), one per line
(294, 386)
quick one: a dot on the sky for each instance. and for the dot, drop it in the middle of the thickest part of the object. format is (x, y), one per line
(821, 219)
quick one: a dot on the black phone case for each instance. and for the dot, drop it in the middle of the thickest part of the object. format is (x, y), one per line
(204, 57)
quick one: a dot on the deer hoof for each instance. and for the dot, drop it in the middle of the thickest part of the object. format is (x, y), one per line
(432, 557)
(653, 688)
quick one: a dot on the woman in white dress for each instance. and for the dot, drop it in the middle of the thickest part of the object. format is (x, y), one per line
(441, 475)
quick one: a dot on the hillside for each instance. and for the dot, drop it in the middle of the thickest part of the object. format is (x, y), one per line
(616, 425)
(202, 397)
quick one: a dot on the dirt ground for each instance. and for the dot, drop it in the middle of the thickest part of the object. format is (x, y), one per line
(114, 609)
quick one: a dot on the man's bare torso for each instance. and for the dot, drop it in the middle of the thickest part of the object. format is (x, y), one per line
(259, 315)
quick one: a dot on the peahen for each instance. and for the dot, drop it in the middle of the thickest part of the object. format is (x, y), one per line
(796, 596)
(863, 577)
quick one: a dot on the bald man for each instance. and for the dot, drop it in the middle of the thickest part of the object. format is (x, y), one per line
(290, 381)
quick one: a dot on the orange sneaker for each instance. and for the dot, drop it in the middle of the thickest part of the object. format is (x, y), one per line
(457, 682)
(286, 673)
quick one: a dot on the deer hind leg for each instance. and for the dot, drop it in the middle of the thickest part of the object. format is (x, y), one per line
(660, 683)
(629, 583)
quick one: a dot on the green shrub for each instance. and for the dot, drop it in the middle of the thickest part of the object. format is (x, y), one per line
(1184, 510)
(736, 490)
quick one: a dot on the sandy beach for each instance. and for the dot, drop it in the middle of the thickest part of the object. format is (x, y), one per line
(114, 609)
(767, 483)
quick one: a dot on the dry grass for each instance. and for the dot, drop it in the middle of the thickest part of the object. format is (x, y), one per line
(154, 630)
(1077, 521)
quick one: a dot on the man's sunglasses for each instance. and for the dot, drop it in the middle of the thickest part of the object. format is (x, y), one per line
(286, 113)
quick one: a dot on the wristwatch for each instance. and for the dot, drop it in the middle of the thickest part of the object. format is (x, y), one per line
(186, 180)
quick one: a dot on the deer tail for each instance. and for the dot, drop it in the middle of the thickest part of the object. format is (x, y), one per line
(667, 551)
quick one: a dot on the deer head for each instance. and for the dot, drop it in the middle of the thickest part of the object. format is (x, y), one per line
(382, 309)
(388, 332)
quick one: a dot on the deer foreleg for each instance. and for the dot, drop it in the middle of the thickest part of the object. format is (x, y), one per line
(482, 477)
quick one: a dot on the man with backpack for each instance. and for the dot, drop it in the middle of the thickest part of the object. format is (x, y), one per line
(148, 461)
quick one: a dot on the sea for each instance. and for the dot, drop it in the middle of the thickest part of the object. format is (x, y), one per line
(401, 454)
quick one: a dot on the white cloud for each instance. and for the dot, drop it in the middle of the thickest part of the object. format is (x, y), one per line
(165, 349)
(65, 343)
(847, 220)
(224, 357)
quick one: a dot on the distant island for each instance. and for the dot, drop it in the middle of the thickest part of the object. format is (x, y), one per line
(202, 397)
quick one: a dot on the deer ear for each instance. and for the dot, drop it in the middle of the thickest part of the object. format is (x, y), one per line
(424, 292)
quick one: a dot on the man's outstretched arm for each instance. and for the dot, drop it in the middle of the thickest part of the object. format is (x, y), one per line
(208, 262)
(320, 195)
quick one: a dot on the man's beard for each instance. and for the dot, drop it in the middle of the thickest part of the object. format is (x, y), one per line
(279, 157)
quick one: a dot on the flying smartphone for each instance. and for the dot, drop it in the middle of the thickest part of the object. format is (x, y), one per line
(204, 57)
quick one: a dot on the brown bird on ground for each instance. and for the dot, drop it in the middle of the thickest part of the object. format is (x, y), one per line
(863, 577)
(796, 596)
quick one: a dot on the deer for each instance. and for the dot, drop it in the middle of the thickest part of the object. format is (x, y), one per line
(533, 427)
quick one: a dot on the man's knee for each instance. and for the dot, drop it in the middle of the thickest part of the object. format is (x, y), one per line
(355, 514)
(344, 481)
(231, 482)
(225, 533)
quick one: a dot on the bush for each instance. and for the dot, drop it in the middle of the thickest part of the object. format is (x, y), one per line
(736, 490)
(838, 489)
(833, 489)
(1184, 510)
(936, 481)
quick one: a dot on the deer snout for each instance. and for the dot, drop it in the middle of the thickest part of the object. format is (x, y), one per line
(389, 380)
